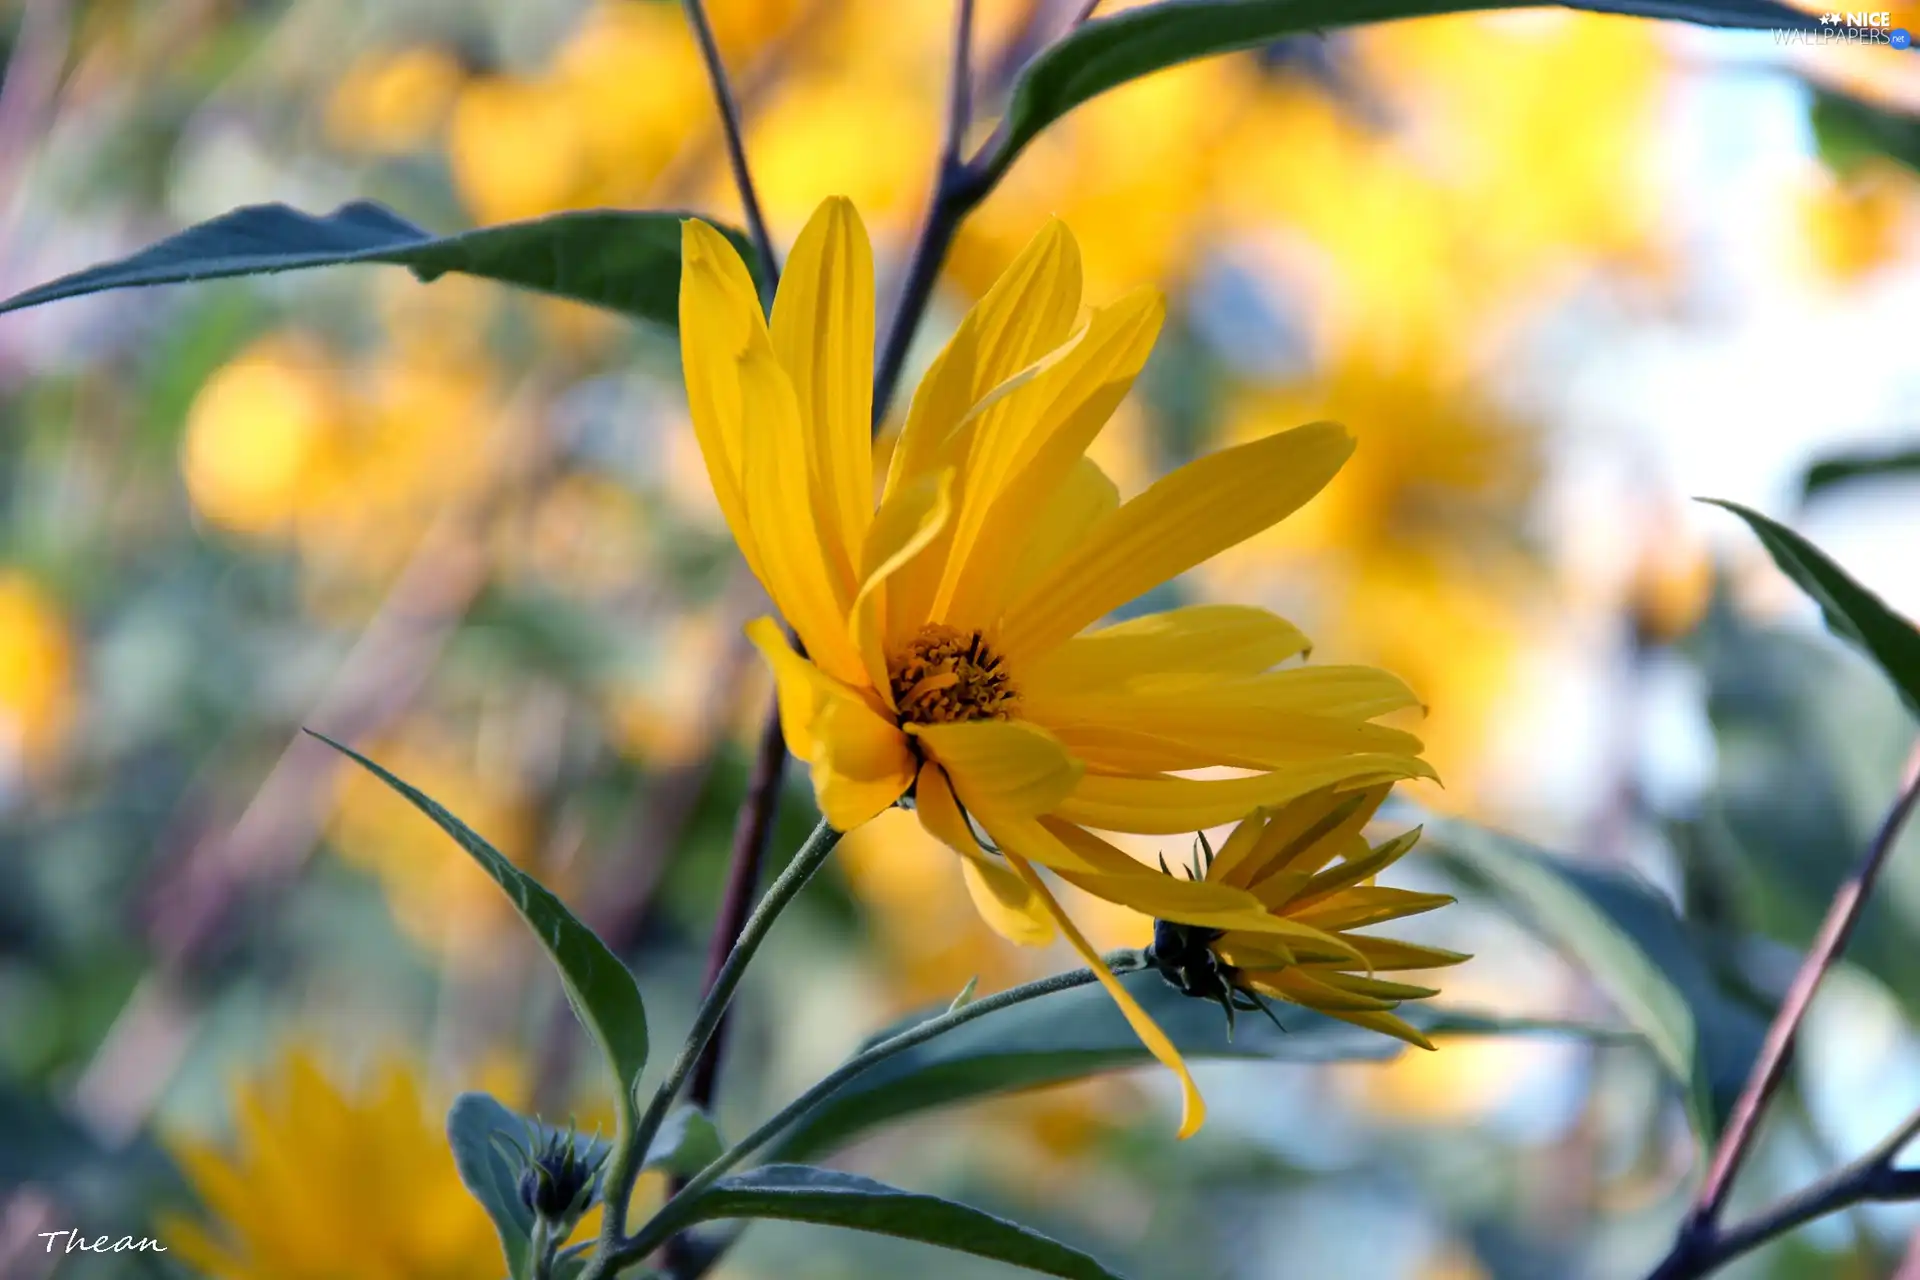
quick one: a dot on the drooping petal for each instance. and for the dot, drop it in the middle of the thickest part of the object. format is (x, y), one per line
(1025, 447)
(1200, 639)
(1003, 765)
(905, 525)
(1186, 518)
(1171, 806)
(862, 766)
(823, 338)
(799, 686)
(1193, 1108)
(720, 319)
(860, 760)
(793, 564)
(1004, 900)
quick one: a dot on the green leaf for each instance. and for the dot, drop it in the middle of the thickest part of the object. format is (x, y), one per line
(1108, 52)
(479, 1130)
(600, 988)
(1850, 131)
(624, 261)
(1625, 934)
(1841, 468)
(1852, 612)
(801, 1193)
(1807, 746)
(687, 1142)
(1079, 1032)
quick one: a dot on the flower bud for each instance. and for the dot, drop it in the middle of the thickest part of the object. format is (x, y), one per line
(559, 1178)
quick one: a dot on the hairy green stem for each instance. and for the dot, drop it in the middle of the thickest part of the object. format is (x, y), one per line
(674, 1214)
(624, 1166)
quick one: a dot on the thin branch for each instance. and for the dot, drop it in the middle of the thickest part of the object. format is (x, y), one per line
(1699, 1232)
(1842, 914)
(960, 91)
(751, 835)
(959, 185)
(1871, 1178)
(736, 145)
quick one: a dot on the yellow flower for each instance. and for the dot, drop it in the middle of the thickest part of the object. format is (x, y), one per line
(1313, 872)
(943, 659)
(325, 1184)
(37, 677)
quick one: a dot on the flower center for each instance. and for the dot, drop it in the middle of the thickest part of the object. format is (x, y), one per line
(947, 675)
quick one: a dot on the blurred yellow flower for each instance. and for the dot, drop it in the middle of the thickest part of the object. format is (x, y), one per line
(940, 630)
(324, 1183)
(393, 101)
(257, 431)
(1426, 522)
(1854, 224)
(36, 676)
(352, 459)
(517, 148)
(1314, 875)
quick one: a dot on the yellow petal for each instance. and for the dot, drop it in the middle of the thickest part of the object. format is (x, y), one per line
(1387, 953)
(1237, 847)
(1027, 313)
(1027, 445)
(1357, 908)
(1298, 986)
(1377, 988)
(1186, 518)
(799, 686)
(1369, 863)
(1208, 639)
(719, 320)
(1311, 832)
(1173, 806)
(793, 564)
(906, 524)
(1352, 691)
(863, 763)
(1003, 765)
(1193, 1109)
(1201, 737)
(1085, 498)
(823, 338)
(1003, 899)
(1371, 1019)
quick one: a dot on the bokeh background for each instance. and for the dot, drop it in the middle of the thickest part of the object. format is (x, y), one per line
(1557, 271)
